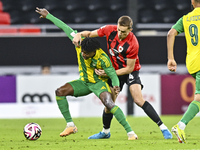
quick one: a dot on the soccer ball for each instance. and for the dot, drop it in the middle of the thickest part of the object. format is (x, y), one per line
(32, 131)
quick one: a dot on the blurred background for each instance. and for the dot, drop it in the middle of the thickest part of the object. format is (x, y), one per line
(20, 24)
(27, 43)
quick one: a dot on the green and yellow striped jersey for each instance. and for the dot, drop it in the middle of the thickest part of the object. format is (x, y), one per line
(87, 67)
(99, 61)
(190, 24)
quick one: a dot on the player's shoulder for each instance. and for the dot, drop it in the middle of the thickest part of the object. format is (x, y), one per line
(102, 54)
(132, 38)
(110, 27)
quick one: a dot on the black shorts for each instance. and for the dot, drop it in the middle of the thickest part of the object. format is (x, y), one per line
(129, 79)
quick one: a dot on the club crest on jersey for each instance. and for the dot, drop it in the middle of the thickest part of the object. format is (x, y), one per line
(111, 52)
(120, 49)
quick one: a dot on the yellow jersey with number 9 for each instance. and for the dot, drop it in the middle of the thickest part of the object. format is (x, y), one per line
(191, 24)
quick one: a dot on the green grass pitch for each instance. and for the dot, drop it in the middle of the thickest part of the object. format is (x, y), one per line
(150, 136)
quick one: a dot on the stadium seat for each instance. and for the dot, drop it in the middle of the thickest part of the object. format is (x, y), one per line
(16, 17)
(80, 16)
(94, 5)
(182, 4)
(143, 5)
(1, 6)
(169, 16)
(106, 16)
(147, 16)
(8, 5)
(161, 5)
(29, 30)
(27, 5)
(65, 16)
(50, 4)
(71, 5)
(118, 13)
(117, 4)
(8, 31)
(4, 18)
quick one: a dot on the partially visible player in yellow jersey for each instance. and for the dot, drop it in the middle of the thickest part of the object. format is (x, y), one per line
(90, 57)
(190, 25)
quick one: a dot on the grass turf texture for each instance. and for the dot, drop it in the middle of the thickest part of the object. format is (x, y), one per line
(150, 136)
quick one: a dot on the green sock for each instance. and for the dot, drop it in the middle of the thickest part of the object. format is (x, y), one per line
(191, 112)
(64, 107)
(119, 115)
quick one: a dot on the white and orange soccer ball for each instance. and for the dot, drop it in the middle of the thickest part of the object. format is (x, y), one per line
(32, 131)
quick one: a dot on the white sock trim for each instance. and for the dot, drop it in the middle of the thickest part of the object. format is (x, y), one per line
(70, 124)
(163, 127)
(106, 131)
(181, 125)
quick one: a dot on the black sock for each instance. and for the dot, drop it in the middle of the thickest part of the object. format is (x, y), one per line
(150, 111)
(107, 120)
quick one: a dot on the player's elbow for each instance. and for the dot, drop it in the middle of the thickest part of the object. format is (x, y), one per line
(172, 33)
(129, 69)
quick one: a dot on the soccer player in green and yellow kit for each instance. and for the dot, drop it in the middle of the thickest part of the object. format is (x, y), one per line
(90, 57)
(190, 24)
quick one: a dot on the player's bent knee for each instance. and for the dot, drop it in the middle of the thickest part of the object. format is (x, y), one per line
(60, 92)
(106, 110)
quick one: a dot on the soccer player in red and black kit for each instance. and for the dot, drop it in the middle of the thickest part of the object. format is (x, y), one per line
(123, 51)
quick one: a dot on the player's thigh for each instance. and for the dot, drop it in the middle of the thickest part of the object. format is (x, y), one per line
(136, 93)
(99, 87)
(80, 88)
(197, 92)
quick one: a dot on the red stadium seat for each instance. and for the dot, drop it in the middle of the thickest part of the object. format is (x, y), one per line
(29, 30)
(1, 6)
(4, 18)
(8, 31)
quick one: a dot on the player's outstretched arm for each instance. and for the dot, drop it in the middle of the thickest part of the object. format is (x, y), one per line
(60, 24)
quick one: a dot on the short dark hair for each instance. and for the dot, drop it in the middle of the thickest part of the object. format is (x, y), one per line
(125, 21)
(90, 44)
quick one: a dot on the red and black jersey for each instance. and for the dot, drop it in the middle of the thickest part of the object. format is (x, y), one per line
(119, 50)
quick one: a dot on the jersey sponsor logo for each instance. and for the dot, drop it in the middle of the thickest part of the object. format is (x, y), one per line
(36, 98)
(103, 87)
(120, 49)
(93, 64)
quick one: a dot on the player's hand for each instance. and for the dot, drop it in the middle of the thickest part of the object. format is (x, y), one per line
(100, 72)
(171, 64)
(116, 89)
(77, 40)
(42, 11)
